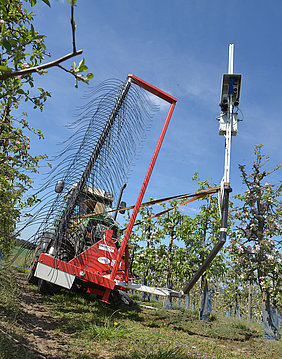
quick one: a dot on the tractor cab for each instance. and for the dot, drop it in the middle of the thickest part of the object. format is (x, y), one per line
(92, 200)
(91, 218)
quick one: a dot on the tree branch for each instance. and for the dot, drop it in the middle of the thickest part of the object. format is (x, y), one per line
(40, 67)
(69, 71)
(73, 29)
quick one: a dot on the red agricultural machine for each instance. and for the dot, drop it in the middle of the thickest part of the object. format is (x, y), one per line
(81, 247)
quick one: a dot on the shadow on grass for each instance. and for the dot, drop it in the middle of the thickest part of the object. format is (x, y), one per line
(160, 353)
(79, 302)
(9, 349)
(237, 332)
(214, 335)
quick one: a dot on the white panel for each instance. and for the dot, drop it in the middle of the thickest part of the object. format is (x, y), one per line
(223, 123)
(153, 290)
(54, 275)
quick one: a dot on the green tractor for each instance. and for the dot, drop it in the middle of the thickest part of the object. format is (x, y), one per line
(88, 224)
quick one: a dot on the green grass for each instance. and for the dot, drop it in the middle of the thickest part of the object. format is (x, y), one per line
(9, 349)
(152, 332)
(10, 307)
(9, 294)
(104, 332)
(22, 257)
(160, 353)
(95, 330)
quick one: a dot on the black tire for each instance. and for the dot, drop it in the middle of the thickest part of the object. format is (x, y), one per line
(45, 287)
(120, 299)
(30, 277)
(42, 247)
(65, 253)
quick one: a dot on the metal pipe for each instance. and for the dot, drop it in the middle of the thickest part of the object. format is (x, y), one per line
(142, 192)
(229, 123)
(217, 247)
(231, 55)
(225, 181)
(228, 139)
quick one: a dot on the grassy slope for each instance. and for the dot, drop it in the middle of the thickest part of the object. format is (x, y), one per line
(86, 328)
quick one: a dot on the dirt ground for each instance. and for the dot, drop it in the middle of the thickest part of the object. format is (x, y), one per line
(39, 327)
(36, 328)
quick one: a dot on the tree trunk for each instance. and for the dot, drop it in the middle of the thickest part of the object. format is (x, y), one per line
(250, 316)
(168, 300)
(270, 330)
(147, 296)
(237, 314)
(206, 303)
(169, 261)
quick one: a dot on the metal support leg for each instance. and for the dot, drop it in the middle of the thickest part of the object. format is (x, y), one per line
(217, 247)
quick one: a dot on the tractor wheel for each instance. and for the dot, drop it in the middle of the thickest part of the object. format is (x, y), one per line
(120, 299)
(45, 287)
(65, 253)
(30, 277)
(41, 248)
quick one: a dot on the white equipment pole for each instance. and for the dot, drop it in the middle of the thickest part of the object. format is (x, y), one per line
(230, 64)
(229, 123)
(230, 95)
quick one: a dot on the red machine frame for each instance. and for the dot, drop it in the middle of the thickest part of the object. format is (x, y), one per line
(102, 266)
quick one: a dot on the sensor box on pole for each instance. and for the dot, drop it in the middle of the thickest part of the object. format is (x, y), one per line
(231, 85)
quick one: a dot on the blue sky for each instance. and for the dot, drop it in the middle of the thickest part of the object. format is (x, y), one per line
(181, 47)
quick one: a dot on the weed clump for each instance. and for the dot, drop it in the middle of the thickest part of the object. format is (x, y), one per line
(9, 294)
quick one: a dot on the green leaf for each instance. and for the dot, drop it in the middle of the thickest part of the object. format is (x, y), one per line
(32, 29)
(13, 42)
(89, 76)
(82, 62)
(83, 68)
(47, 2)
(33, 2)
(6, 44)
(5, 69)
